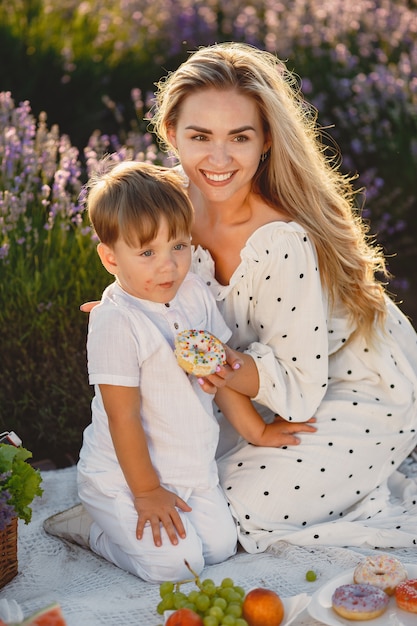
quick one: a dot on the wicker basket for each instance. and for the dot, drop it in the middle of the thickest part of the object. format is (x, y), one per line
(8, 553)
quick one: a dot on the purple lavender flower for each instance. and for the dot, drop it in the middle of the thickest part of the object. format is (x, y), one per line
(7, 511)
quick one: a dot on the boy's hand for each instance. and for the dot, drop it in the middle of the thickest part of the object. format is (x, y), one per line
(157, 507)
(282, 433)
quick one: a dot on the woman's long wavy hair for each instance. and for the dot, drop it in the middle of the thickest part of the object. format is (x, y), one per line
(301, 176)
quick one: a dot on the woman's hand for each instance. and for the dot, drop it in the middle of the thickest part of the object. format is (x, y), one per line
(224, 373)
(87, 307)
(157, 507)
(238, 366)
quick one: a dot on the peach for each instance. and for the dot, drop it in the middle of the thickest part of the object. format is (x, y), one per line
(263, 607)
(184, 617)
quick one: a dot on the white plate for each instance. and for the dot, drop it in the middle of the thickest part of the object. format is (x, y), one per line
(293, 606)
(320, 606)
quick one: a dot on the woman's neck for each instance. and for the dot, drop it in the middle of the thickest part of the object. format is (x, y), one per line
(233, 211)
(223, 228)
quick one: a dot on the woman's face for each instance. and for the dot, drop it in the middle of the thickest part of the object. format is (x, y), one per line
(220, 139)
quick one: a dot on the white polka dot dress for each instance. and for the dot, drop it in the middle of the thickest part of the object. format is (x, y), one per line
(338, 486)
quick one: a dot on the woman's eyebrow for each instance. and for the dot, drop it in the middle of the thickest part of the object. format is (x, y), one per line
(234, 131)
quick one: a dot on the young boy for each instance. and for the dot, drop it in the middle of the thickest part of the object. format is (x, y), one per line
(147, 475)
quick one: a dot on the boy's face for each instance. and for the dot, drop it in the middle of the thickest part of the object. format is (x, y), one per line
(153, 272)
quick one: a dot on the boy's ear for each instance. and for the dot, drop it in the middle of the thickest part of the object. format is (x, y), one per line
(107, 257)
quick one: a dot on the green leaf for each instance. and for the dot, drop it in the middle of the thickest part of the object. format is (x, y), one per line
(24, 481)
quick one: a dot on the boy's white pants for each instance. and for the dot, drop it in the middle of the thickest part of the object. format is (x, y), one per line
(211, 535)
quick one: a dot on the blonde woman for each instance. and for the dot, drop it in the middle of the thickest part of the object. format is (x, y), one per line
(278, 239)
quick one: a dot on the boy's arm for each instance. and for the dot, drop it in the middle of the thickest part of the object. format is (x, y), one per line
(153, 502)
(241, 413)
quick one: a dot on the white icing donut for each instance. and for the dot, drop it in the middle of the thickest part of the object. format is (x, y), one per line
(383, 571)
(199, 352)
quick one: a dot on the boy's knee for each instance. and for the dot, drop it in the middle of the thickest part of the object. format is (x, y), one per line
(223, 545)
(170, 564)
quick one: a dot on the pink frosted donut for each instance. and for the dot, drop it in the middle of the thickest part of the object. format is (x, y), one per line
(199, 352)
(359, 602)
(383, 571)
(406, 595)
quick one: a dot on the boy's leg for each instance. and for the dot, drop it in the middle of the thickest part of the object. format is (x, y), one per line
(213, 522)
(113, 536)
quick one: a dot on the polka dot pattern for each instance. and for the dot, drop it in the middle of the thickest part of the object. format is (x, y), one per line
(363, 396)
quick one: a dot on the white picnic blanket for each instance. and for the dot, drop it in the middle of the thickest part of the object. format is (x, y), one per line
(92, 592)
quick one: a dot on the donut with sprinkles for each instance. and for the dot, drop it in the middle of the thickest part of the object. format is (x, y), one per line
(199, 352)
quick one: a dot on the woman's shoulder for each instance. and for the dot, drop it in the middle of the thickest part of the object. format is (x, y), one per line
(279, 226)
(275, 234)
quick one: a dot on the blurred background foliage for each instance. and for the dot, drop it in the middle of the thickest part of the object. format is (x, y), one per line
(76, 81)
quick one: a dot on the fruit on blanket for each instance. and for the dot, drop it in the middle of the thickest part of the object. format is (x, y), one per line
(215, 604)
(49, 616)
(311, 576)
(184, 617)
(263, 607)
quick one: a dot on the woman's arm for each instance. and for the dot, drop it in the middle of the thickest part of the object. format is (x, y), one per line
(153, 502)
(285, 352)
(241, 413)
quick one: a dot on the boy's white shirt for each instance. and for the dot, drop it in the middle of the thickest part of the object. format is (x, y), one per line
(130, 343)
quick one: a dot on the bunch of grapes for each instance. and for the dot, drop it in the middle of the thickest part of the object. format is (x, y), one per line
(217, 605)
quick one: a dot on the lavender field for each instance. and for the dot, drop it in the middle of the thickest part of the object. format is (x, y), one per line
(79, 83)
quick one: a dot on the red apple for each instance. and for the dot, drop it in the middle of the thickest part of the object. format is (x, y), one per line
(184, 617)
(263, 607)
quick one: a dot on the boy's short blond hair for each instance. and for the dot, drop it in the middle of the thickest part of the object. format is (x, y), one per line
(128, 199)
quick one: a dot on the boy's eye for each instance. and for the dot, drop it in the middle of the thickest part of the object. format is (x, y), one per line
(146, 253)
(179, 246)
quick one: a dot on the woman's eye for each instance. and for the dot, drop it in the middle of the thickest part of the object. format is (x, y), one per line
(199, 137)
(241, 138)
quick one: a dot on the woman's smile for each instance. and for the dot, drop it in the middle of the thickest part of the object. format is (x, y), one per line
(217, 178)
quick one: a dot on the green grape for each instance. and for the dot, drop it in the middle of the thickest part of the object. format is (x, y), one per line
(216, 611)
(230, 595)
(193, 595)
(311, 576)
(191, 606)
(240, 591)
(228, 620)
(221, 602)
(241, 622)
(208, 587)
(210, 620)
(234, 609)
(168, 601)
(202, 603)
(179, 599)
(165, 588)
(160, 608)
(227, 582)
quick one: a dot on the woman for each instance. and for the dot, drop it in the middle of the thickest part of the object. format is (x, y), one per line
(278, 240)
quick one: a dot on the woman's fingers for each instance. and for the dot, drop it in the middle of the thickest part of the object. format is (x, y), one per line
(87, 307)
